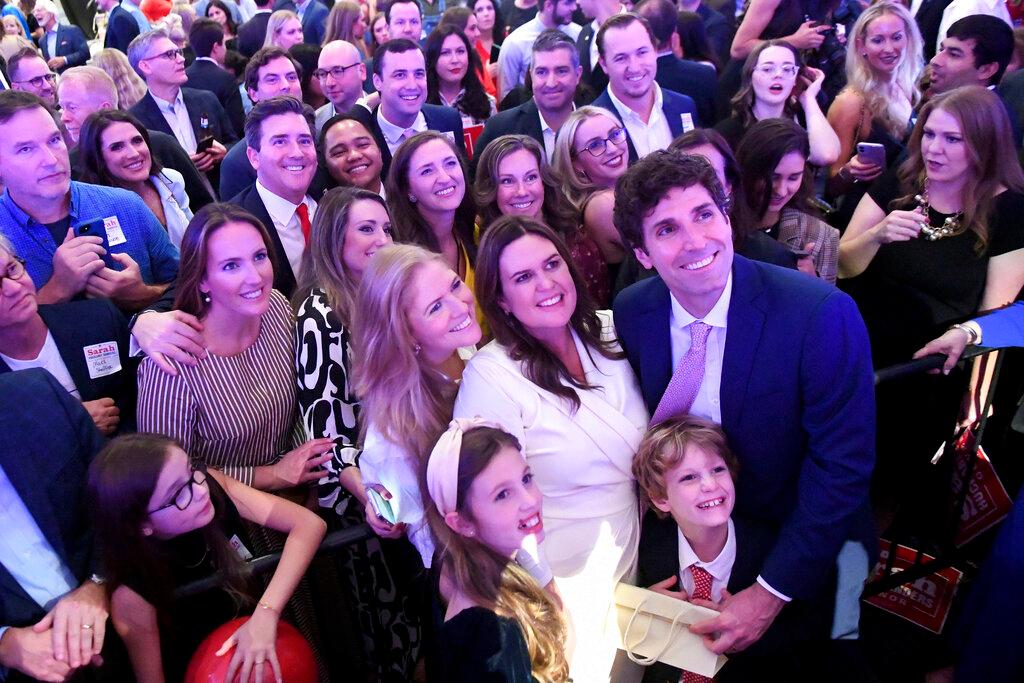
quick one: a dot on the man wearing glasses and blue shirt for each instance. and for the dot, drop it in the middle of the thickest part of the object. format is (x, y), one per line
(194, 117)
(341, 73)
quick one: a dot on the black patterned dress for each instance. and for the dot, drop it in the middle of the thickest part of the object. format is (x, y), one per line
(376, 573)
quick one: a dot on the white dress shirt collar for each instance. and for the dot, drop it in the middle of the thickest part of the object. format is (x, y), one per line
(393, 134)
(718, 316)
(627, 112)
(720, 568)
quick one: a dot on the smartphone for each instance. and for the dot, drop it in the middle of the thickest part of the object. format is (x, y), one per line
(381, 506)
(95, 228)
(204, 144)
(871, 153)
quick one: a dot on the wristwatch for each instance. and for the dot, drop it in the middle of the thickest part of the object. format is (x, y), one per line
(972, 330)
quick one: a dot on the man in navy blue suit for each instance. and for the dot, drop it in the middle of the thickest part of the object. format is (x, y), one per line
(400, 76)
(651, 115)
(785, 368)
(63, 46)
(122, 28)
(53, 608)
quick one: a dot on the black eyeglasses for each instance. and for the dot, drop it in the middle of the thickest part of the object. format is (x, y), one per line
(183, 497)
(13, 270)
(37, 82)
(169, 55)
(616, 136)
(336, 71)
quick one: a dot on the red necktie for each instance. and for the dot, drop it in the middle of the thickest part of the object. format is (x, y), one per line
(701, 591)
(303, 213)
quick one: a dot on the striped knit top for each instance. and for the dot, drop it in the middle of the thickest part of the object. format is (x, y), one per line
(232, 412)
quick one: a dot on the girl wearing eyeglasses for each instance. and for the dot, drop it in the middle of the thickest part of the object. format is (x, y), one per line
(162, 522)
(590, 155)
(777, 84)
(514, 179)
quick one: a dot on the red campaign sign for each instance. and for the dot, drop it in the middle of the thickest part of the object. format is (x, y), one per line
(925, 602)
(471, 134)
(987, 502)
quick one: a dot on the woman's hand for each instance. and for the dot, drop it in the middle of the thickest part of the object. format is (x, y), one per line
(809, 36)
(104, 413)
(254, 645)
(899, 226)
(381, 526)
(951, 345)
(303, 464)
(812, 80)
(860, 171)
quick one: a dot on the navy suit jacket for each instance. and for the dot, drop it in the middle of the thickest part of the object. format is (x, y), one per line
(250, 200)
(698, 81)
(441, 119)
(799, 622)
(672, 103)
(253, 33)
(197, 103)
(206, 75)
(121, 29)
(48, 442)
(521, 120)
(71, 44)
(314, 21)
(84, 322)
(593, 74)
(798, 407)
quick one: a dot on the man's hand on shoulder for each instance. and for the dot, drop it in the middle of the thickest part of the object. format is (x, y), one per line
(743, 620)
(173, 334)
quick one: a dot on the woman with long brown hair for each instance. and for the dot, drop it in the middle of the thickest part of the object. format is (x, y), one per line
(499, 622)
(556, 379)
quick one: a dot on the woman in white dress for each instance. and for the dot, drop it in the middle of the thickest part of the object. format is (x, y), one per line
(413, 317)
(114, 150)
(556, 378)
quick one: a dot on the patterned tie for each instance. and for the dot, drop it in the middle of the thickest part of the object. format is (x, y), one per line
(701, 591)
(406, 134)
(303, 213)
(682, 388)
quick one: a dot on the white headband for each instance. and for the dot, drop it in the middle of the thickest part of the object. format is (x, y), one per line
(443, 465)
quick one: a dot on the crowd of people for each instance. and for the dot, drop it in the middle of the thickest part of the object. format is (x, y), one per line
(552, 297)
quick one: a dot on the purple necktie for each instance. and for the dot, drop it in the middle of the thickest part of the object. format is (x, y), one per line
(682, 388)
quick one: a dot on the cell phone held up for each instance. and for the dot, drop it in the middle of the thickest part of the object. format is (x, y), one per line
(381, 506)
(205, 138)
(871, 153)
(96, 228)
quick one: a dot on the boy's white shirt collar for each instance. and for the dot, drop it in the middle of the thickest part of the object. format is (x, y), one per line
(720, 567)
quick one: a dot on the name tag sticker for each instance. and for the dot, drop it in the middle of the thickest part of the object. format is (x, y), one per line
(687, 119)
(240, 548)
(102, 359)
(115, 235)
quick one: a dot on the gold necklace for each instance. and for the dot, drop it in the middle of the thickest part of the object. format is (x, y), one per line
(951, 227)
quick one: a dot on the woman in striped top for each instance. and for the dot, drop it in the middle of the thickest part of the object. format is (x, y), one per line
(235, 410)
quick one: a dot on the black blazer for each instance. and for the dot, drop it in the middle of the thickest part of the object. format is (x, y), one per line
(85, 322)
(197, 104)
(521, 120)
(49, 441)
(719, 29)
(799, 622)
(698, 81)
(121, 29)
(593, 75)
(440, 119)
(207, 75)
(253, 33)
(284, 279)
(71, 44)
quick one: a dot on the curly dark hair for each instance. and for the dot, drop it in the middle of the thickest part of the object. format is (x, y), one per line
(474, 101)
(647, 182)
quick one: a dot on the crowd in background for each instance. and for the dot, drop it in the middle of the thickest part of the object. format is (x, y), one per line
(552, 296)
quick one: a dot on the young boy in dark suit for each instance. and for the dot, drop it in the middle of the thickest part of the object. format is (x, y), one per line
(692, 549)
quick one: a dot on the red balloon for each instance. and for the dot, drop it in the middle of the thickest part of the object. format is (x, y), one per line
(293, 654)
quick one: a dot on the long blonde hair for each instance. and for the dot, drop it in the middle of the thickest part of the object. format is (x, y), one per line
(130, 86)
(860, 77)
(276, 23)
(406, 400)
(493, 581)
(577, 187)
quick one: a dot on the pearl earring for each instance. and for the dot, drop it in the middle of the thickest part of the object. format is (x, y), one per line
(412, 199)
(416, 349)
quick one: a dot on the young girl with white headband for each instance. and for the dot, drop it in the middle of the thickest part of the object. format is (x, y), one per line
(499, 624)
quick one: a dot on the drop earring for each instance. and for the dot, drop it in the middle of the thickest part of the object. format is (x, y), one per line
(412, 199)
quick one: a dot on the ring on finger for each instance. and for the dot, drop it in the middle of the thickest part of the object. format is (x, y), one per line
(86, 627)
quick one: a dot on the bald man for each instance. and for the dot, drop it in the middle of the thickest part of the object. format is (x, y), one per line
(341, 73)
(83, 90)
